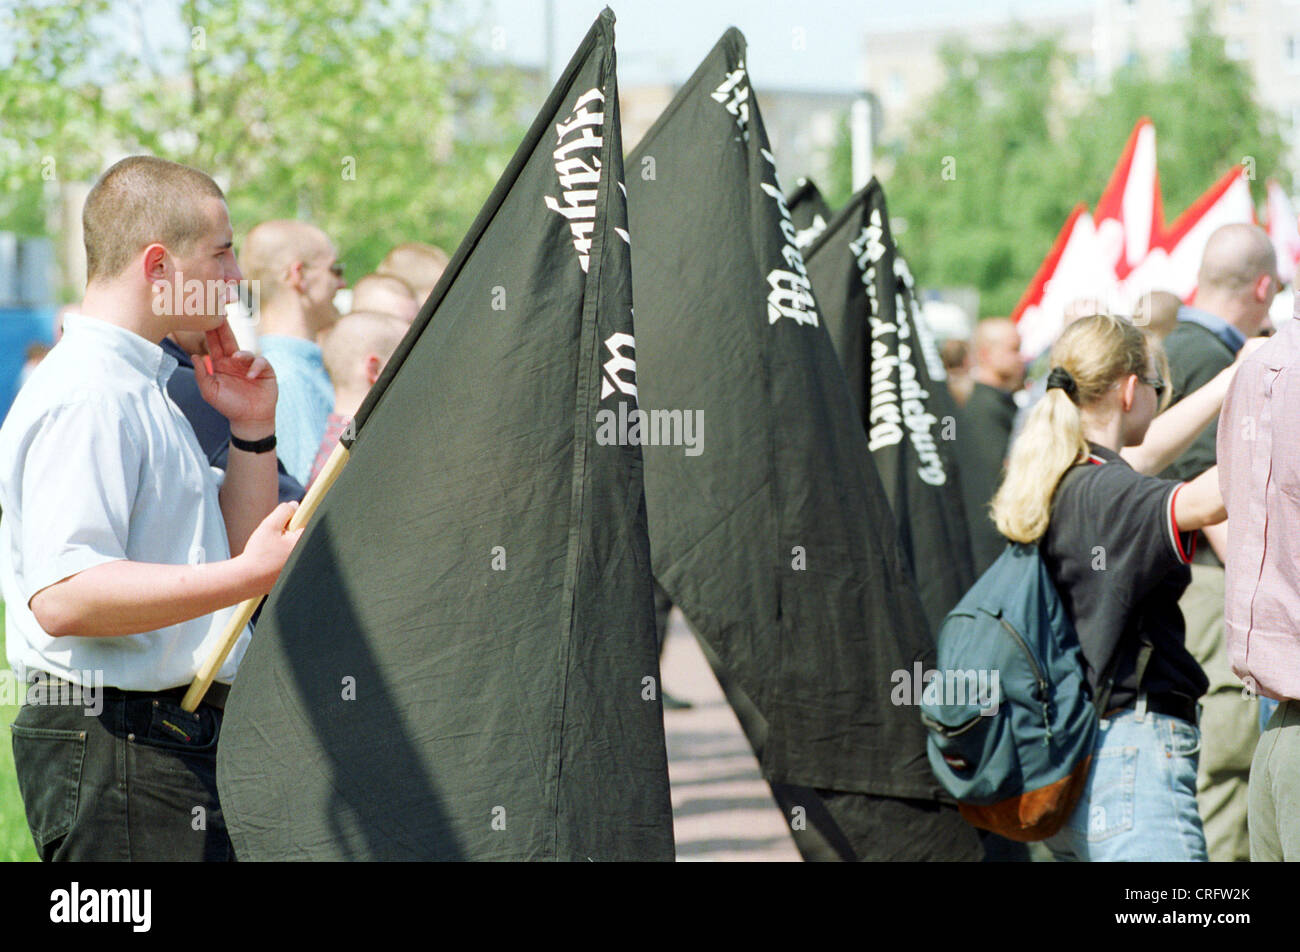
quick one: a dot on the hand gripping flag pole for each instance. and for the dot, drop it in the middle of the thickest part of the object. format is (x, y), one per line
(235, 627)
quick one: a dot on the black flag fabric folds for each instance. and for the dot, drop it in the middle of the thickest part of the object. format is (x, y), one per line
(869, 306)
(808, 211)
(773, 533)
(459, 660)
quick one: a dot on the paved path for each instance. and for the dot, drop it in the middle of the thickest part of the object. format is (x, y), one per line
(722, 809)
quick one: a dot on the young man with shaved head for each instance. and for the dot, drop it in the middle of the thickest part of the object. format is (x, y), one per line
(418, 264)
(298, 273)
(121, 551)
(385, 294)
(356, 350)
(984, 429)
(1236, 284)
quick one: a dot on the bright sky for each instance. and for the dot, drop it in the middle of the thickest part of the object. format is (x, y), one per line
(664, 40)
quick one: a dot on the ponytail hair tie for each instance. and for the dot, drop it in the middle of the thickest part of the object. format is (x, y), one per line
(1060, 377)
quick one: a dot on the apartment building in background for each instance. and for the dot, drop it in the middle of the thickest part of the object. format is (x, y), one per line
(904, 67)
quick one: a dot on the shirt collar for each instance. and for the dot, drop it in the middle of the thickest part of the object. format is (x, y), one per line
(177, 351)
(1232, 338)
(294, 346)
(1102, 452)
(143, 355)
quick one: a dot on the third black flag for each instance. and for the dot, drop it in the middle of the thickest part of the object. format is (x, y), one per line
(900, 387)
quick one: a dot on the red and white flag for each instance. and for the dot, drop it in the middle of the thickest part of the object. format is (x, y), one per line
(1125, 250)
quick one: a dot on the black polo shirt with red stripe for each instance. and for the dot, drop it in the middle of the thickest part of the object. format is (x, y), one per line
(1120, 566)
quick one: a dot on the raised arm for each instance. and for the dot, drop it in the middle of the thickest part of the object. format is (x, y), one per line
(1199, 502)
(1172, 432)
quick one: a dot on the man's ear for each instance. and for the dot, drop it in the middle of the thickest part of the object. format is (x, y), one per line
(1264, 288)
(374, 367)
(293, 277)
(156, 263)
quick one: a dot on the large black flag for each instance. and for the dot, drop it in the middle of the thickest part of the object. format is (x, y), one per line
(459, 660)
(773, 533)
(808, 211)
(869, 306)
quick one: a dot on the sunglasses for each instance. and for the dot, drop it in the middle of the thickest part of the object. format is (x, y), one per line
(1156, 384)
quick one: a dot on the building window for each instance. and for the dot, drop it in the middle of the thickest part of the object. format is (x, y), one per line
(1291, 51)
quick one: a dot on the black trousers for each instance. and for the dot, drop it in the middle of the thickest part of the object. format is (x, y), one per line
(136, 781)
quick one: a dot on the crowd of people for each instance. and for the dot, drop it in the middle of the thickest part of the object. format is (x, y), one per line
(1115, 461)
(1152, 457)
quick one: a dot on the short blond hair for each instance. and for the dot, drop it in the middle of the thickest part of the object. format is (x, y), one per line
(139, 201)
(345, 344)
(416, 263)
(368, 294)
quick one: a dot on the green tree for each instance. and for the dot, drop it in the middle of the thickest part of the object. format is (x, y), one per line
(997, 158)
(374, 119)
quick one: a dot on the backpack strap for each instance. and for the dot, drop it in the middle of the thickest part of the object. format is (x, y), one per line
(1107, 682)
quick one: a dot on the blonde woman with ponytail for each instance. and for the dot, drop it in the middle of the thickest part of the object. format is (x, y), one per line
(1117, 542)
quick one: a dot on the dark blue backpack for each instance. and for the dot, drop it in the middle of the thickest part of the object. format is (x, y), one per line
(1015, 757)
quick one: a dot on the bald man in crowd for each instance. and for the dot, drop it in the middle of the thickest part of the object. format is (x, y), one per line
(385, 294)
(1157, 313)
(418, 264)
(984, 429)
(298, 273)
(1236, 284)
(356, 350)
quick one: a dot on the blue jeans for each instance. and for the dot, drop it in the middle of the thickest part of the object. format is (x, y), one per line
(1266, 708)
(1140, 800)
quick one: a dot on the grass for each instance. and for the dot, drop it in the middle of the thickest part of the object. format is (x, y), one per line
(15, 839)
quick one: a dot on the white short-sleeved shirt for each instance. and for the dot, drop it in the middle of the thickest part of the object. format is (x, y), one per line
(98, 464)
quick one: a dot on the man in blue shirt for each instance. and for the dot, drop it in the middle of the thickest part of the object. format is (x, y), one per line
(297, 273)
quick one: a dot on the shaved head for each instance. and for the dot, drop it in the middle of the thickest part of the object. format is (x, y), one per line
(1157, 312)
(418, 264)
(1238, 278)
(274, 246)
(1235, 257)
(995, 350)
(353, 340)
(139, 201)
(385, 294)
(993, 331)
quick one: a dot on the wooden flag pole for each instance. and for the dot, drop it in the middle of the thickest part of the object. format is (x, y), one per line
(203, 680)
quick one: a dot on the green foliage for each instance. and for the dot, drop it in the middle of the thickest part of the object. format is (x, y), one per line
(996, 160)
(15, 839)
(374, 119)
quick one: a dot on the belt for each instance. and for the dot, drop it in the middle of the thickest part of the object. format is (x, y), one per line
(215, 696)
(1174, 705)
